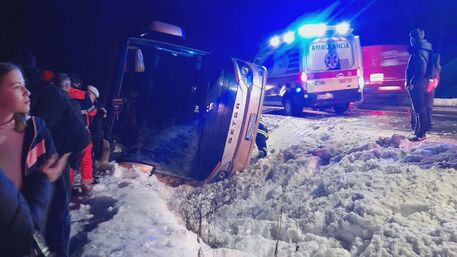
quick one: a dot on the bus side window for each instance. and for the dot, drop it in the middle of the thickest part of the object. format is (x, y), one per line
(268, 63)
(293, 57)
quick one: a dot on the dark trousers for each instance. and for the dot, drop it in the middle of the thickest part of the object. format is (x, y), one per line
(429, 106)
(419, 109)
(58, 223)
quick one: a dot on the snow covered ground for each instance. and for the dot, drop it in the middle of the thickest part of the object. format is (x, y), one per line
(338, 186)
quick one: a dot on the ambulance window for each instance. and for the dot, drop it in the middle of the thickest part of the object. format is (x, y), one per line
(394, 58)
(330, 55)
(293, 57)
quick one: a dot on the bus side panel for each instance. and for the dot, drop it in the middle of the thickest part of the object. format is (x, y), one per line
(240, 138)
(219, 106)
(251, 118)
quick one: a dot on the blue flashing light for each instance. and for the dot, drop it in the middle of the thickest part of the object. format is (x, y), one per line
(312, 30)
(289, 37)
(275, 41)
(298, 89)
(342, 28)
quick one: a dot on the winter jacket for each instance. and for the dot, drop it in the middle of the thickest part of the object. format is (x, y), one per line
(63, 121)
(16, 224)
(417, 63)
(38, 147)
(96, 125)
(88, 109)
(19, 217)
(261, 137)
(262, 129)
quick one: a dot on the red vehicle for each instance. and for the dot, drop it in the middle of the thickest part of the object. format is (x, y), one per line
(384, 74)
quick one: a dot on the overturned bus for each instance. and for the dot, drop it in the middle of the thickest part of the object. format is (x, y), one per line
(185, 112)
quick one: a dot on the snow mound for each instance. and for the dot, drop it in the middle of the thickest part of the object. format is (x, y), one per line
(329, 187)
(140, 223)
(341, 193)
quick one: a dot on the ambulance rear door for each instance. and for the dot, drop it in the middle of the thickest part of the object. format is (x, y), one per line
(331, 64)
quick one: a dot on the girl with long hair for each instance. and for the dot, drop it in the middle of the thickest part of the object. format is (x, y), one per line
(27, 152)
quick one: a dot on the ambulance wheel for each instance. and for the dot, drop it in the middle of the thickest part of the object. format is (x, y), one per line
(290, 108)
(340, 109)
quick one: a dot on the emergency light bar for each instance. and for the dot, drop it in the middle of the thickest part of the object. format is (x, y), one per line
(275, 41)
(289, 37)
(311, 31)
(343, 28)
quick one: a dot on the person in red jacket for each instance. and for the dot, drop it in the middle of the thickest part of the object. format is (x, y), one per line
(88, 111)
(85, 106)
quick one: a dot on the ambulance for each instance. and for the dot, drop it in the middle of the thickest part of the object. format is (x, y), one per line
(317, 66)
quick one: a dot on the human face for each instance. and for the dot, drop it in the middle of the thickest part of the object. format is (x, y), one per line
(14, 97)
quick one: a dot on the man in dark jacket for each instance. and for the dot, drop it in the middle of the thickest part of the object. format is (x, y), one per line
(416, 82)
(70, 136)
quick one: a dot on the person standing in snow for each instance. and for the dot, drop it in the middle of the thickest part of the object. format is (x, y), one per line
(101, 146)
(63, 82)
(416, 82)
(88, 111)
(70, 136)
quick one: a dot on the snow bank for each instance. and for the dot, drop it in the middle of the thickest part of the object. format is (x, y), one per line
(338, 187)
(343, 191)
(141, 224)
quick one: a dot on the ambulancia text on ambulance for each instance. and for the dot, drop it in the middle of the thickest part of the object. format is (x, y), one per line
(317, 66)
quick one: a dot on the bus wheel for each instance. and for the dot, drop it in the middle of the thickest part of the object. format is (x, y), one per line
(340, 109)
(290, 108)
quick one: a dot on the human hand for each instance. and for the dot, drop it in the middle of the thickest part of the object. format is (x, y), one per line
(54, 166)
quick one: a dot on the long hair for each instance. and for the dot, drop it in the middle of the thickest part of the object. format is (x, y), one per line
(19, 118)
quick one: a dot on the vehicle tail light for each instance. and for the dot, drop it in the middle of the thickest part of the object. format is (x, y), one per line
(303, 77)
(377, 77)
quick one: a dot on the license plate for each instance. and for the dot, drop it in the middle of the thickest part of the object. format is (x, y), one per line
(251, 127)
(325, 96)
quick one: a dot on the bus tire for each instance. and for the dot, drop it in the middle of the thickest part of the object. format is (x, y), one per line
(290, 108)
(342, 108)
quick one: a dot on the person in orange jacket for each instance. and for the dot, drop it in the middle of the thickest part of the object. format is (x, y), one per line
(88, 111)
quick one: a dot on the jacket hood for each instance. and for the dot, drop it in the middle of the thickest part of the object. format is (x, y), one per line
(423, 45)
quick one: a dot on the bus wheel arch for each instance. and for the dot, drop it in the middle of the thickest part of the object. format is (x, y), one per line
(341, 108)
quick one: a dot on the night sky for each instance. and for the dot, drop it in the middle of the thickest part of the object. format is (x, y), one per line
(81, 35)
